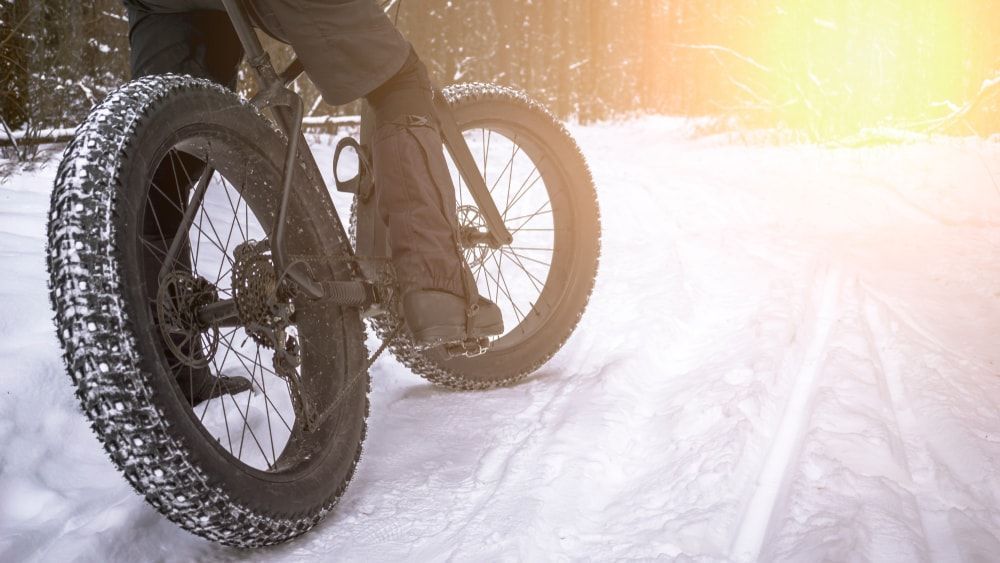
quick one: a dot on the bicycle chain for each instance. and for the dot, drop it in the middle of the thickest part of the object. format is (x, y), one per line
(386, 281)
(316, 422)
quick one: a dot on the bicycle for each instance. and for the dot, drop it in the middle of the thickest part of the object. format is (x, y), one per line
(279, 294)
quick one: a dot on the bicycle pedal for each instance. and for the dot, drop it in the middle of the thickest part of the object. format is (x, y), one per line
(467, 348)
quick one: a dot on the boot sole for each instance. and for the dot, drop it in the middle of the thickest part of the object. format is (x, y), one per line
(432, 336)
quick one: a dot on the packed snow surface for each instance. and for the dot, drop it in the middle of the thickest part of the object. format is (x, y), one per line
(791, 354)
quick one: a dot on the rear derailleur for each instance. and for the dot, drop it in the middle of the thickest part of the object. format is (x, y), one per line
(266, 311)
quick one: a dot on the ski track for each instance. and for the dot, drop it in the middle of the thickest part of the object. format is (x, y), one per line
(917, 459)
(785, 445)
(789, 356)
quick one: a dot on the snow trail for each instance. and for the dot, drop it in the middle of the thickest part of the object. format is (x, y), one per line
(790, 355)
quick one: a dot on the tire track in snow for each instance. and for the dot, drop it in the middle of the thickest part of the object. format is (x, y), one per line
(917, 459)
(496, 464)
(760, 508)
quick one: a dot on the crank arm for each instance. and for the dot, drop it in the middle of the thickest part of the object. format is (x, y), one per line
(224, 313)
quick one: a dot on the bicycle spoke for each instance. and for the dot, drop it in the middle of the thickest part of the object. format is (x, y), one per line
(246, 218)
(531, 216)
(249, 395)
(500, 289)
(160, 252)
(537, 230)
(539, 284)
(235, 208)
(197, 245)
(486, 151)
(174, 205)
(530, 248)
(249, 359)
(225, 420)
(163, 239)
(183, 204)
(529, 258)
(222, 263)
(267, 414)
(210, 223)
(218, 367)
(218, 238)
(510, 176)
(522, 191)
(156, 219)
(517, 310)
(246, 426)
(240, 358)
(500, 177)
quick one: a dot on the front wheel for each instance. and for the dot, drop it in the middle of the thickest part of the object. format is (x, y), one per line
(542, 281)
(246, 469)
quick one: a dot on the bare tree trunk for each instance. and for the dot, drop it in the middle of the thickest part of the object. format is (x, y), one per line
(14, 63)
(592, 70)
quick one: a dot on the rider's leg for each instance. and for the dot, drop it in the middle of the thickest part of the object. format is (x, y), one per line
(350, 48)
(417, 202)
(416, 198)
(201, 44)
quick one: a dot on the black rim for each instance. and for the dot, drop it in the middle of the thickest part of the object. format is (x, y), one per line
(261, 430)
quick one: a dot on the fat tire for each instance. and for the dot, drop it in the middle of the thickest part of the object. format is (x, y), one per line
(96, 328)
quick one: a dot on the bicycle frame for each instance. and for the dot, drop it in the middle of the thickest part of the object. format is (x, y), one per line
(372, 234)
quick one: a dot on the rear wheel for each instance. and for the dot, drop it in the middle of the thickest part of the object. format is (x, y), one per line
(542, 187)
(249, 469)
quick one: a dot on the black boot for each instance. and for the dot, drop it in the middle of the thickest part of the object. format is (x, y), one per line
(438, 317)
(198, 385)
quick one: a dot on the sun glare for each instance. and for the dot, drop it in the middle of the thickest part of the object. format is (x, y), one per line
(838, 66)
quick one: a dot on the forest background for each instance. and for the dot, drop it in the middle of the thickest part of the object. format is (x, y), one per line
(817, 70)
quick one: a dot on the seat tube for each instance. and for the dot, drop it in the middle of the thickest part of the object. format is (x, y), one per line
(256, 55)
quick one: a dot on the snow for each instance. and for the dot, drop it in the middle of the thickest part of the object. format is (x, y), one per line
(346, 120)
(54, 133)
(790, 354)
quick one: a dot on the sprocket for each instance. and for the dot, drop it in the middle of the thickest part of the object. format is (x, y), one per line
(262, 299)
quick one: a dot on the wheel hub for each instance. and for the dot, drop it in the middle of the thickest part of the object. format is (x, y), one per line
(178, 300)
(472, 229)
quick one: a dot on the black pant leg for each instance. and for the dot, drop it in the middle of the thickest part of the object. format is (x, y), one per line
(348, 47)
(200, 43)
